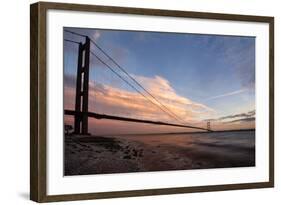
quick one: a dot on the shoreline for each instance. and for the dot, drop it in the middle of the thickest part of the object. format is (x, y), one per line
(106, 155)
(183, 133)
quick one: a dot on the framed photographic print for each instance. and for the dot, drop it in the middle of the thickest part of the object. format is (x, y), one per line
(134, 102)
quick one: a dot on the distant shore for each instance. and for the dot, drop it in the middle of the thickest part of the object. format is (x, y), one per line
(194, 132)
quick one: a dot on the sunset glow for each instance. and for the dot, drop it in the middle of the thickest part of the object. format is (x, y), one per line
(199, 78)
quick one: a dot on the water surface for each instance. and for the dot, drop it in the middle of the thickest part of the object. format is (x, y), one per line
(202, 150)
(162, 152)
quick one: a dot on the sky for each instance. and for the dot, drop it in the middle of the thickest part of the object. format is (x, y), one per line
(199, 78)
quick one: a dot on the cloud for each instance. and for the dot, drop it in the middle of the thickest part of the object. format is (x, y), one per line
(96, 35)
(242, 57)
(249, 119)
(119, 101)
(161, 88)
(237, 53)
(123, 102)
(243, 115)
(245, 120)
(228, 94)
(240, 117)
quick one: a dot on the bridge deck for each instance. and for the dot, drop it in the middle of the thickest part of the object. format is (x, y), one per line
(110, 117)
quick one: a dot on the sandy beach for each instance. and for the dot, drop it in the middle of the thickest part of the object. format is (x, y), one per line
(103, 155)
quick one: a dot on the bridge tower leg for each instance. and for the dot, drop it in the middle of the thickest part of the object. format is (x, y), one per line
(209, 125)
(82, 89)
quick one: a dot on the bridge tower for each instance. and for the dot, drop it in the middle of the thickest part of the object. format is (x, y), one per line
(209, 125)
(82, 89)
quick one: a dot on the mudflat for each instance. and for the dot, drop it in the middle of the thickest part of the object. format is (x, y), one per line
(86, 155)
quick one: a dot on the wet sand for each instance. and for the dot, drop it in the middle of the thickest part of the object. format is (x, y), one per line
(104, 155)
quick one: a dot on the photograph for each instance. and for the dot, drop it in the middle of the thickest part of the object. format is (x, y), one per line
(141, 101)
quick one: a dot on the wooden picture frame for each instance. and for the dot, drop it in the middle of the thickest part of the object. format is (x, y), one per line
(38, 100)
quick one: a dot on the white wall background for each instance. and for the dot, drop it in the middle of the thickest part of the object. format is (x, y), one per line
(14, 102)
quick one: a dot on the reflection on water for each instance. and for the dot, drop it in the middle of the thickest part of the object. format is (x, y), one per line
(201, 150)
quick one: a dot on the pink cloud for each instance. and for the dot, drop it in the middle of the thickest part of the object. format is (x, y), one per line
(106, 99)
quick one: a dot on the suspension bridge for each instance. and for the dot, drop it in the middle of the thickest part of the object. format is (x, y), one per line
(81, 112)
